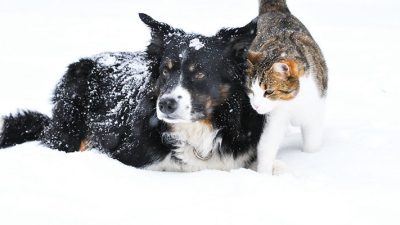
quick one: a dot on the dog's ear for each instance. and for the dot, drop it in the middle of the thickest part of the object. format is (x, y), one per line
(159, 32)
(238, 40)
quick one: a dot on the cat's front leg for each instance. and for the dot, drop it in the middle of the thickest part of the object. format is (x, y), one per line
(270, 141)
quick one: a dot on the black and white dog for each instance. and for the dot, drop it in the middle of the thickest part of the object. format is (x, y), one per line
(179, 106)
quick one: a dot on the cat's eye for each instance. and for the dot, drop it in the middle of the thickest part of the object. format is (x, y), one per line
(199, 76)
(268, 92)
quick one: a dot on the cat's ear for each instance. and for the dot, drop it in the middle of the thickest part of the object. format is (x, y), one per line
(255, 57)
(287, 68)
(281, 68)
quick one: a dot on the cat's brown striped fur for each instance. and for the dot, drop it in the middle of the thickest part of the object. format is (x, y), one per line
(283, 38)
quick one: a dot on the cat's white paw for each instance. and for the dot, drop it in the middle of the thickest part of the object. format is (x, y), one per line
(280, 168)
(277, 168)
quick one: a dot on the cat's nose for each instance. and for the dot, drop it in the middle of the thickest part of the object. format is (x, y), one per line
(256, 106)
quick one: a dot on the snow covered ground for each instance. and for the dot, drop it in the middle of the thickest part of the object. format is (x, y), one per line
(354, 180)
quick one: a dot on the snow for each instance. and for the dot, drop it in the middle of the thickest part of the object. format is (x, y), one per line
(355, 179)
(107, 60)
(196, 44)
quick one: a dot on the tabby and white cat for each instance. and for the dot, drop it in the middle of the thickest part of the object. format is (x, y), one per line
(287, 80)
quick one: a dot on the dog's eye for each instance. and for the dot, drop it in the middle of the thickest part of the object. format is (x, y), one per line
(165, 72)
(199, 76)
(268, 92)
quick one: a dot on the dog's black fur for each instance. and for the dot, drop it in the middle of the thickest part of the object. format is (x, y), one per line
(111, 100)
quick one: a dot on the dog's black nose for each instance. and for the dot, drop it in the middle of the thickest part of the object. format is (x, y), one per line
(168, 105)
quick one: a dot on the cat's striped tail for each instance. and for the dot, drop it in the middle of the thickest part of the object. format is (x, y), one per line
(273, 6)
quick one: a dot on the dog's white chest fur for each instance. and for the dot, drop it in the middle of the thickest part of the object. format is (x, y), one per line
(198, 149)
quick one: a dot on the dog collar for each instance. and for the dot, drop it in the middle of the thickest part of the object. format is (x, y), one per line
(203, 158)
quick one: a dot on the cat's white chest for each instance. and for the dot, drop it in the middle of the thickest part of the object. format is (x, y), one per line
(307, 104)
(305, 111)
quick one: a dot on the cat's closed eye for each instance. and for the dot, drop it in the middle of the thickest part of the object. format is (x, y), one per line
(268, 92)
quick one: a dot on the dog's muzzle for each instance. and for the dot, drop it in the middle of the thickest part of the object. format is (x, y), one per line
(175, 107)
(168, 105)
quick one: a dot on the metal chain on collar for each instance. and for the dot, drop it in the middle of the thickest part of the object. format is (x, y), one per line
(199, 156)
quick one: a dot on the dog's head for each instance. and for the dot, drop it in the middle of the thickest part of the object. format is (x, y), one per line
(196, 73)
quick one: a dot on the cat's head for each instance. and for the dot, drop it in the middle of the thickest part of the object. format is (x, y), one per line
(272, 83)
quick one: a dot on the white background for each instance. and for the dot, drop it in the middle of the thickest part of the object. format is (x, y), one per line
(354, 180)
